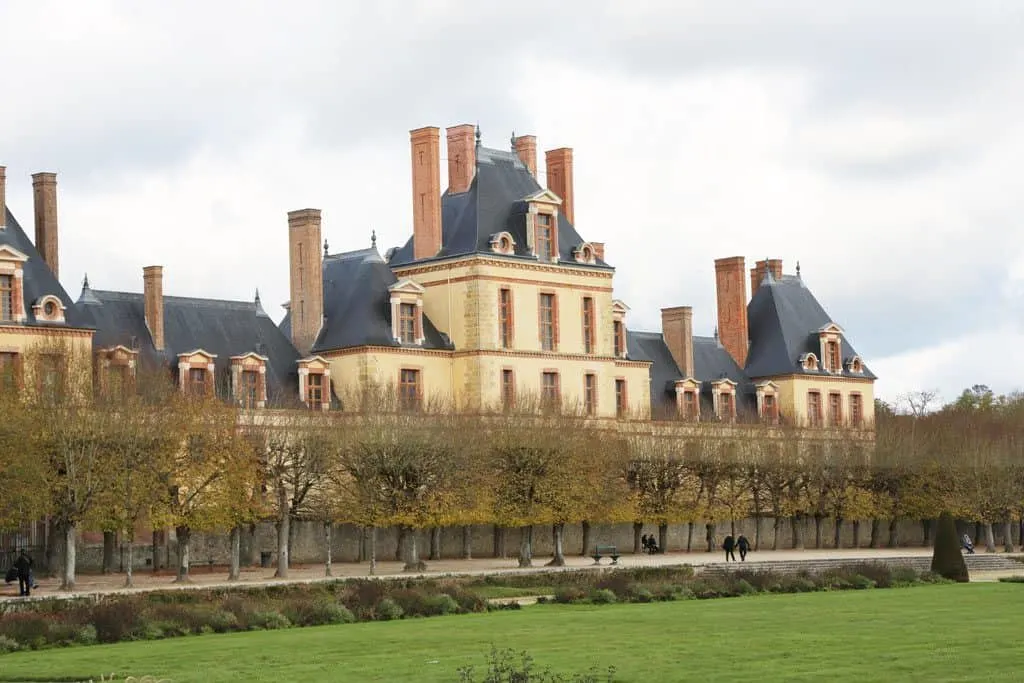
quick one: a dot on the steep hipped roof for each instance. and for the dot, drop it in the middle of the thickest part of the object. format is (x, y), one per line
(223, 328)
(492, 204)
(357, 305)
(38, 280)
(784, 319)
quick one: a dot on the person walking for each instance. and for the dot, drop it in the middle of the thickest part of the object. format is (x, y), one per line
(743, 545)
(24, 566)
(728, 546)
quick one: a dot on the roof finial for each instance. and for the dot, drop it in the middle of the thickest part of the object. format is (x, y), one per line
(257, 296)
(798, 269)
(478, 134)
(85, 281)
(325, 248)
(373, 239)
(513, 141)
(716, 332)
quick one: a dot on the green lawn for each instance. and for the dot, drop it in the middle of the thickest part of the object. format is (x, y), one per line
(964, 632)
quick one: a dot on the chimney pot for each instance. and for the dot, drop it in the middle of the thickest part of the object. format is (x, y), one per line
(44, 190)
(560, 178)
(526, 149)
(677, 329)
(732, 306)
(426, 192)
(461, 157)
(305, 265)
(153, 298)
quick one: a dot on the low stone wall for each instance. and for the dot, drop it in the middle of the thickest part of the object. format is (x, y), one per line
(351, 544)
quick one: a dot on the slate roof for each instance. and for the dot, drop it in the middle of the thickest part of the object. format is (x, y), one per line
(223, 328)
(38, 280)
(357, 305)
(492, 204)
(783, 319)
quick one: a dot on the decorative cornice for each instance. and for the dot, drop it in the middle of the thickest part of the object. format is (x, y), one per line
(511, 262)
(336, 353)
(50, 330)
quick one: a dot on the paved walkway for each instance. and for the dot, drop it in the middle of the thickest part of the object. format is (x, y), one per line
(204, 577)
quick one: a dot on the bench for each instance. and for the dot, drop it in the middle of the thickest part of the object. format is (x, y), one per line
(602, 550)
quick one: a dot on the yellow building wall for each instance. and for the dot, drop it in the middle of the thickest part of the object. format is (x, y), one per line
(793, 390)
(382, 367)
(75, 345)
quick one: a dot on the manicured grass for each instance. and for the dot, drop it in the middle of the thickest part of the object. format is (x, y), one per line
(966, 632)
(487, 592)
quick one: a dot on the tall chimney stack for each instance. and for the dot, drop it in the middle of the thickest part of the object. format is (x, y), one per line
(461, 157)
(526, 149)
(757, 276)
(774, 265)
(732, 306)
(153, 296)
(44, 188)
(306, 304)
(3, 197)
(559, 166)
(426, 192)
(677, 329)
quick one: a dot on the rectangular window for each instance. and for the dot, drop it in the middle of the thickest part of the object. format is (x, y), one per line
(505, 317)
(6, 297)
(621, 400)
(835, 410)
(545, 237)
(197, 381)
(508, 389)
(407, 323)
(620, 338)
(9, 372)
(117, 381)
(250, 394)
(588, 325)
(726, 406)
(590, 393)
(769, 409)
(548, 322)
(549, 388)
(691, 408)
(856, 411)
(814, 408)
(409, 390)
(315, 390)
(833, 357)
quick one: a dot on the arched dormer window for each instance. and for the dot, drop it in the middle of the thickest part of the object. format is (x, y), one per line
(48, 309)
(502, 243)
(855, 366)
(809, 361)
(585, 253)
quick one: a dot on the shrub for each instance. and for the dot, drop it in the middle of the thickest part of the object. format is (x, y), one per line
(467, 601)
(568, 595)
(744, 587)
(317, 612)
(269, 620)
(8, 645)
(222, 621)
(761, 580)
(932, 577)
(155, 630)
(903, 576)
(618, 583)
(797, 584)
(707, 588)
(947, 560)
(389, 610)
(642, 594)
(26, 628)
(879, 573)
(86, 635)
(440, 604)
(602, 596)
(1012, 579)
(115, 620)
(502, 669)
(415, 603)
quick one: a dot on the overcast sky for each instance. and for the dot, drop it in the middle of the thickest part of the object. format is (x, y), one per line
(878, 143)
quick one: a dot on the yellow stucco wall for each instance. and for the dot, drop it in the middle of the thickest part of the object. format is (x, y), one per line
(793, 392)
(28, 341)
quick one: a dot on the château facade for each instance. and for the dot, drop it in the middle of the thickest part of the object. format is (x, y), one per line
(495, 298)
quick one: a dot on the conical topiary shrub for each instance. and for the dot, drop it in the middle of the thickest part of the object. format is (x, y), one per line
(947, 560)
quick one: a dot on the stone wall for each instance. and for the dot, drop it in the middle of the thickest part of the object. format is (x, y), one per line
(350, 544)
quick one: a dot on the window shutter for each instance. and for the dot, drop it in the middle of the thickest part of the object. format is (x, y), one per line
(554, 318)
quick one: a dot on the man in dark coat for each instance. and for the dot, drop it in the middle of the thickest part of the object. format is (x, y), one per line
(728, 546)
(24, 566)
(743, 545)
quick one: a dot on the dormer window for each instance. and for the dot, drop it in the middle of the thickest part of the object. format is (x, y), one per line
(688, 399)
(196, 372)
(249, 380)
(830, 337)
(502, 243)
(585, 253)
(809, 361)
(12, 302)
(315, 383)
(619, 310)
(116, 371)
(855, 366)
(723, 393)
(768, 401)
(545, 237)
(6, 297)
(407, 312)
(542, 225)
(49, 309)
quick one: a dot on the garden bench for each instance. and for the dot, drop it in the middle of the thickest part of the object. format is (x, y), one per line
(602, 550)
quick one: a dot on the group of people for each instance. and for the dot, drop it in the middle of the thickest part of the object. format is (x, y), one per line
(731, 544)
(21, 571)
(649, 545)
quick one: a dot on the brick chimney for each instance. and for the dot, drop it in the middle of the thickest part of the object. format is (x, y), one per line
(757, 273)
(598, 250)
(153, 295)
(677, 329)
(526, 149)
(732, 306)
(775, 266)
(305, 264)
(3, 197)
(426, 192)
(461, 157)
(44, 188)
(559, 166)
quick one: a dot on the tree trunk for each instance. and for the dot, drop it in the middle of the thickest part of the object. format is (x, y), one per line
(413, 563)
(876, 533)
(290, 538)
(68, 576)
(689, 536)
(328, 529)
(709, 536)
(109, 547)
(818, 520)
(129, 578)
(586, 538)
(467, 542)
(638, 528)
(732, 527)
(498, 543)
(856, 533)
(776, 528)
(558, 560)
(839, 533)
(400, 544)
(662, 537)
(979, 533)
(926, 532)
(156, 550)
(894, 532)
(184, 535)
(797, 522)
(254, 547)
(990, 539)
(757, 519)
(235, 565)
(283, 531)
(1008, 536)
(435, 543)
(526, 546)
(55, 548)
(373, 549)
